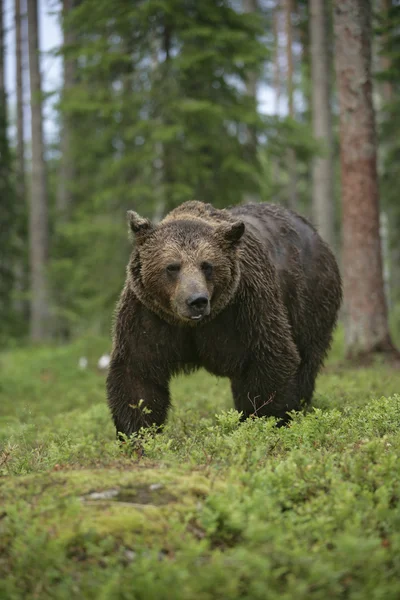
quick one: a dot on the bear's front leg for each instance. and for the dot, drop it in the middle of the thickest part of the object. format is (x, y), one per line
(140, 369)
(136, 400)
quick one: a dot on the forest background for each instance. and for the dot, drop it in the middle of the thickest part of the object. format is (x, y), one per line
(167, 100)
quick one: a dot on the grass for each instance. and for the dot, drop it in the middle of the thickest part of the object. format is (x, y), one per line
(213, 508)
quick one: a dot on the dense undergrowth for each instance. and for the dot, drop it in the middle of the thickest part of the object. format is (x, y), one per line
(211, 508)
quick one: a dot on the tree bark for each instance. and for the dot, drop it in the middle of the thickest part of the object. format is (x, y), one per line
(277, 86)
(64, 198)
(20, 105)
(4, 166)
(251, 6)
(2, 77)
(387, 86)
(387, 93)
(322, 170)
(8, 215)
(291, 155)
(159, 175)
(20, 188)
(367, 329)
(277, 67)
(38, 213)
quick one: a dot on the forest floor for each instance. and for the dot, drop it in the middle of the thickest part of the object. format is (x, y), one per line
(214, 508)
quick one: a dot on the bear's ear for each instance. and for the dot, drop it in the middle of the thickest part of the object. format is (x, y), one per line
(139, 227)
(230, 233)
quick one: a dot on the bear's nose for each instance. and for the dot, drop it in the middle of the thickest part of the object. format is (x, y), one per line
(197, 302)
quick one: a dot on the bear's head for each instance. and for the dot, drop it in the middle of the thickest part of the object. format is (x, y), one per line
(185, 269)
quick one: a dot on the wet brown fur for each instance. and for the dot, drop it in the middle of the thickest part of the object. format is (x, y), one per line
(275, 294)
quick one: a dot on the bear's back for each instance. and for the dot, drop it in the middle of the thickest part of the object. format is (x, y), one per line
(306, 269)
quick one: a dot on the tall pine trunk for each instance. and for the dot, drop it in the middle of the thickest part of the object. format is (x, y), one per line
(251, 6)
(20, 279)
(387, 86)
(367, 329)
(20, 105)
(5, 279)
(67, 168)
(291, 155)
(387, 89)
(2, 77)
(38, 213)
(7, 200)
(322, 171)
(276, 164)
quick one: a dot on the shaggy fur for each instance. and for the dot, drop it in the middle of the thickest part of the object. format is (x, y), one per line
(274, 289)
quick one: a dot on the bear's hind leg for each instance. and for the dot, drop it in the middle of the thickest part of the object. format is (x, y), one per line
(306, 381)
(308, 371)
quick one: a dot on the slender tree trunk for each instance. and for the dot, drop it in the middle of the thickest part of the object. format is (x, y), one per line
(277, 66)
(291, 155)
(38, 214)
(366, 316)
(20, 106)
(167, 170)
(4, 218)
(160, 200)
(7, 198)
(7, 208)
(387, 86)
(67, 168)
(322, 171)
(277, 87)
(251, 6)
(19, 274)
(289, 55)
(387, 94)
(384, 96)
(2, 76)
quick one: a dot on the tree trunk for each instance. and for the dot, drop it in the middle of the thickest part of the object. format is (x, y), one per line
(291, 155)
(322, 171)
(277, 67)
(64, 198)
(387, 94)
(277, 87)
(387, 86)
(19, 272)
(2, 77)
(7, 197)
(366, 316)
(160, 177)
(251, 6)
(4, 166)
(38, 214)
(20, 105)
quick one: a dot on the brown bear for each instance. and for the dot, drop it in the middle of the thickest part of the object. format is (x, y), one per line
(251, 293)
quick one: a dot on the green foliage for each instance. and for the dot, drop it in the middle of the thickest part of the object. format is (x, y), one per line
(214, 507)
(159, 115)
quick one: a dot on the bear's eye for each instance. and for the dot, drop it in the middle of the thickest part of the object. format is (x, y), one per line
(173, 268)
(207, 269)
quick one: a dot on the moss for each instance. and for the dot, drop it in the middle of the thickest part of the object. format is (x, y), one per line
(214, 508)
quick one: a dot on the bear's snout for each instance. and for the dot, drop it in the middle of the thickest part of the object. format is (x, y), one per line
(199, 305)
